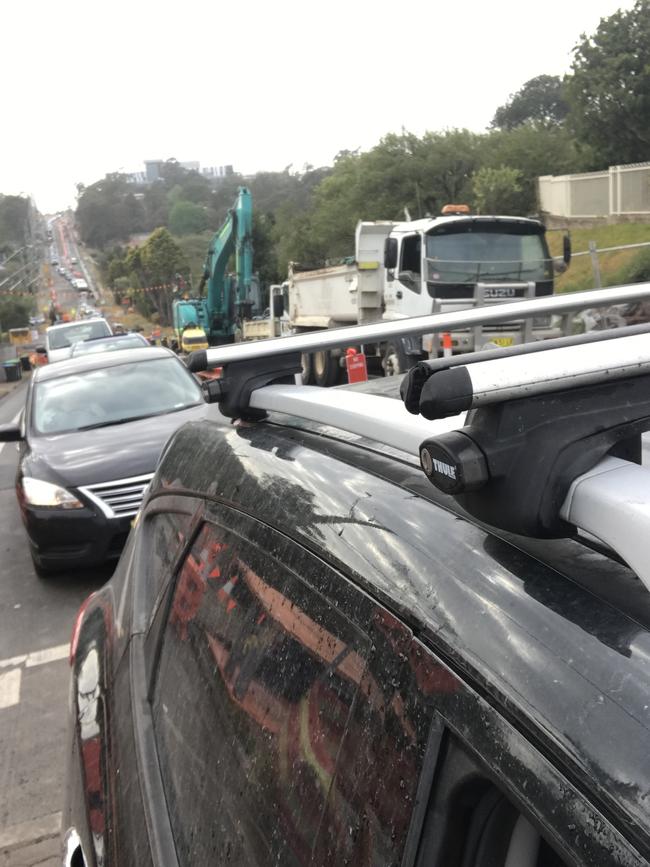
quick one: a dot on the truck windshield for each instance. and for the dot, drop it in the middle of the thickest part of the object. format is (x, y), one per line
(467, 253)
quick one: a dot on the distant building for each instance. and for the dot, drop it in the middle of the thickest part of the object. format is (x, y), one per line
(217, 171)
(153, 171)
(137, 178)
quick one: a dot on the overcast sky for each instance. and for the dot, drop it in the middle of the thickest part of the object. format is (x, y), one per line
(90, 88)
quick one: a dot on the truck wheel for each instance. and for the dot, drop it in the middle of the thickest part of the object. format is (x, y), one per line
(326, 369)
(394, 360)
(307, 368)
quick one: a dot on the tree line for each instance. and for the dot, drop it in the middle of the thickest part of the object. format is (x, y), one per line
(15, 234)
(597, 115)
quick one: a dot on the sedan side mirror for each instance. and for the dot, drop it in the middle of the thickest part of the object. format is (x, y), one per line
(10, 433)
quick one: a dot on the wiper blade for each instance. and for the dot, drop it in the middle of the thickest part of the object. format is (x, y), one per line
(118, 421)
(137, 417)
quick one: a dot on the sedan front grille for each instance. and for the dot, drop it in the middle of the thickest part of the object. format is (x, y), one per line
(121, 498)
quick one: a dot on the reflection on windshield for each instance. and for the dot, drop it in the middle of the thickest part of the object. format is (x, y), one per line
(133, 342)
(113, 394)
(62, 337)
(467, 257)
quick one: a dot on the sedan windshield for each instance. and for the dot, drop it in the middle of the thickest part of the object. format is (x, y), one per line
(113, 395)
(60, 338)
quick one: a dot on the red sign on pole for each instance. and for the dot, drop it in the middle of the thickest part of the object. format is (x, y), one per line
(355, 363)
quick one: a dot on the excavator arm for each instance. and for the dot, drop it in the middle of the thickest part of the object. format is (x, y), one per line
(228, 297)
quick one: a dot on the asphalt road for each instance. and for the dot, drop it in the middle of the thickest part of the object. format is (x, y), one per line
(36, 617)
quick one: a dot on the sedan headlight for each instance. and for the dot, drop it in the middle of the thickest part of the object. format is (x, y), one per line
(39, 493)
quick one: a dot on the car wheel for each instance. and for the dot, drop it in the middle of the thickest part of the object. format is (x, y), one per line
(394, 360)
(326, 368)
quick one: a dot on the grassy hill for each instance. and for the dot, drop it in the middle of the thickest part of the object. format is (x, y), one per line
(617, 268)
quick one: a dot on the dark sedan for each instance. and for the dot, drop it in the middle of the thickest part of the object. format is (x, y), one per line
(92, 434)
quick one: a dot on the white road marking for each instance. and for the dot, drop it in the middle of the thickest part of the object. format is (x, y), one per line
(38, 657)
(31, 831)
(13, 421)
(13, 661)
(50, 654)
(10, 688)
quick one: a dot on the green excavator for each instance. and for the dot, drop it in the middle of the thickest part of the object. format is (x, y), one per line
(230, 298)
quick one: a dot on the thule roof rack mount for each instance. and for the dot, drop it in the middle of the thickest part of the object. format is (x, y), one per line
(540, 440)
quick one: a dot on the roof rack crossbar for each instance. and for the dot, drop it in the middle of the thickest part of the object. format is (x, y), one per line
(360, 334)
(413, 384)
(610, 501)
(494, 380)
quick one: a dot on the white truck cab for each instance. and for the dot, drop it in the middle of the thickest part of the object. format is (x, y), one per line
(443, 259)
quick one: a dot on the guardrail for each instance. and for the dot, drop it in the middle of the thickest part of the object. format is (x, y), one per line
(594, 252)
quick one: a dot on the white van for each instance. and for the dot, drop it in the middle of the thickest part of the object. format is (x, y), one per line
(59, 339)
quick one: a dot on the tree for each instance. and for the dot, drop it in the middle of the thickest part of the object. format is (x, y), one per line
(14, 221)
(609, 91)
(540, 101)
(497, 191)
(532, 151)
(109, 211)
(161, 260)
(186, 218)
(402, 173)
(150, 271)
(15, 312)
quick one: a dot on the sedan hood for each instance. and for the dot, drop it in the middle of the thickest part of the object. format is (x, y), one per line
(115, 452)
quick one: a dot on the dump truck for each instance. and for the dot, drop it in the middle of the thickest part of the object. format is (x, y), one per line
(418, 267)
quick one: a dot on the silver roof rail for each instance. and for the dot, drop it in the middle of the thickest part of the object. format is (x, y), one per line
(359, 334)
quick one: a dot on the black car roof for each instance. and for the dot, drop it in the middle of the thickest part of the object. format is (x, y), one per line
(530, 628)
(99, 360)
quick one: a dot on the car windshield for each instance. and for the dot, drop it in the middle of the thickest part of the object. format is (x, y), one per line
(132, 341)
(113, 395)
(60, 338)
(469, 253)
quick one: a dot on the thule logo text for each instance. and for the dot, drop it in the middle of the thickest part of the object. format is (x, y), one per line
(445, 469)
